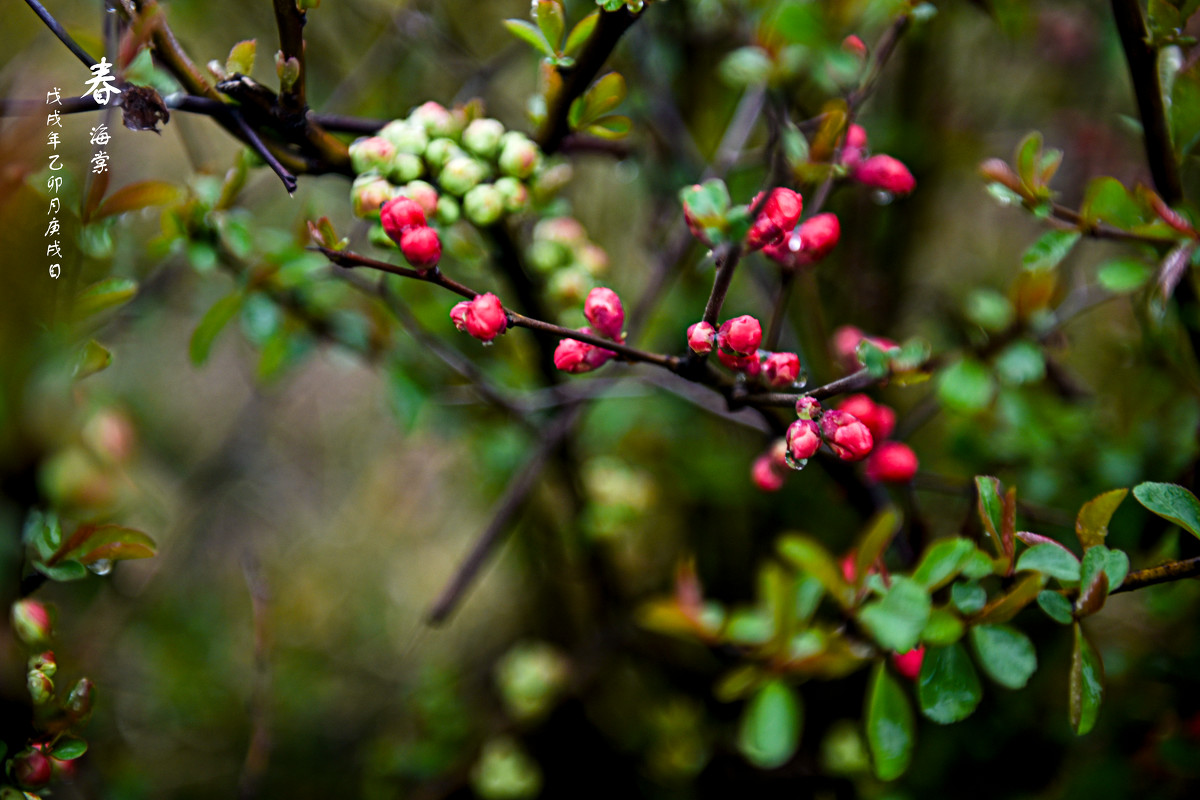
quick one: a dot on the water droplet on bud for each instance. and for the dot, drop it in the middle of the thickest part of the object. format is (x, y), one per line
(795, 463)
(101, 566)
(794, 243)
(881, 198)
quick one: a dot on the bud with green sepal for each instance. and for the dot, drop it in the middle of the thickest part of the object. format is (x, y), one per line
(405, 137)
(461, 174)
(482, 137)
(520, 157)
(372, 154)
(483, 205)
(513, 193)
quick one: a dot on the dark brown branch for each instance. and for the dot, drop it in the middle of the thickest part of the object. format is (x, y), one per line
(251, 136)
(576, 79)
(1143, 72)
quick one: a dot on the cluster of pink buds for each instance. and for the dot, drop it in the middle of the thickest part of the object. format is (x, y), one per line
(847, 436)
(404, 222)
(845, 342)
(877, 171)
(807, 243)
(890, 462)
(780, 213)
(483, 317)
(604, 311)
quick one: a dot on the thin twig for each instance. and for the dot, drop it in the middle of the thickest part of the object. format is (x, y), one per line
(1163, 573)
(509, 503)
(61, 33)
(290, 19)
(289, 180)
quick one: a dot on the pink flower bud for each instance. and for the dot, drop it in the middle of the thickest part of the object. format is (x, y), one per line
(886, 173)
(458, 314)
(747, 364)
(892, 462)
(694, 223)
(423, 194)
(577, 357)
(701, 337)
(603, 309)
(31, 769)
(421, 247)
(808, 243)
(854, 146)
(398, 215)
(880, 419)
(766, 476)
(909, 664)
(803, 439)
(571, 356)
(781, 369)
(44, 662)
(854, 46)
(485, 318)
(31, 621)
(778, 453)
(846, 435)
(741, 334)
(779, 213)
(371, 153)
(808, 407)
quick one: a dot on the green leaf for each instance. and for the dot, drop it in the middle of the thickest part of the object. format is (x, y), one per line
(966, 386)
(92, 359)
(1113, 563)
(896, 620)
(811, 558)
(1006, 655)
(62, 571)
(211, 324)
(978, 565)
(1020, 363)
(133, 196)
(1107, 200)
(241, 57)
(1091, 526)
(530, 34)
(602, 97)
(90, 543)
(873, 541)
(891, 732)
(1050, 559)
(770, 729)
(1057, 607)
(989, 309)
(1116, 567)
(969, 598)
(104, 295)
(1005, 607)
(746, 66)
(1171, 502)
(581, 33)
(1028, 151)
(610, 126)
(1124, 275)
(942, 561)
(991, 509)
(948, 687)
(943, 628)
(69, 749)
(1086, 685)
(1049, 250)
(551, 20)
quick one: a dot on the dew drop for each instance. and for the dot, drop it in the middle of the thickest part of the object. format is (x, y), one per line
(795, 463)
(881, 198)
(794, 243)
(801, 379)
(488, 344)
(101, 566)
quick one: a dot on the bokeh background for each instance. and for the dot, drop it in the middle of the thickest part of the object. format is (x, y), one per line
(311, 497)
